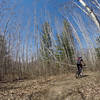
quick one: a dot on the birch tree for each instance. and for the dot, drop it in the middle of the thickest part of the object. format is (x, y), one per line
(91, 13)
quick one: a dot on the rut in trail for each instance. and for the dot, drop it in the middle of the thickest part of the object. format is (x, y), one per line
(65, 87)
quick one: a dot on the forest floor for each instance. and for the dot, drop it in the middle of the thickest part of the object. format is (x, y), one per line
(60, 87)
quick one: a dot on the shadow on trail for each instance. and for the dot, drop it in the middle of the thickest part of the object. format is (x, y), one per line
(84, 76)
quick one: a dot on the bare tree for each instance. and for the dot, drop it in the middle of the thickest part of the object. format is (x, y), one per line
(91, 13)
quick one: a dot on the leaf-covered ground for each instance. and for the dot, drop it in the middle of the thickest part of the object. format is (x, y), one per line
(61, 87)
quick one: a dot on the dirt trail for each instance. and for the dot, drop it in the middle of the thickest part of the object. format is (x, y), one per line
(63, 87)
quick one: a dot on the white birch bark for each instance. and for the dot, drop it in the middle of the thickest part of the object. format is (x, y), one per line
(91, 13)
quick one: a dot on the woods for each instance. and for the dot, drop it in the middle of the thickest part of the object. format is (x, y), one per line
(46, 48)
(19, 68)
(49, 50)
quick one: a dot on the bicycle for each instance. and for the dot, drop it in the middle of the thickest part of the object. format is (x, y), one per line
(79, 72)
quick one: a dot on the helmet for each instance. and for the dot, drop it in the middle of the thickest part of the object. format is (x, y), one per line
(79, 57)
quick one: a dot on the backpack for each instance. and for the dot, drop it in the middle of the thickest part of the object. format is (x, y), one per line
(79, 60)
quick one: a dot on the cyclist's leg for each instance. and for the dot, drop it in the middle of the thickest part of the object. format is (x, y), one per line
(78, 71)
(76, 75)
(81, 70)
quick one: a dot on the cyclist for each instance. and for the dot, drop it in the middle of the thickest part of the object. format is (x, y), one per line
(80, 64)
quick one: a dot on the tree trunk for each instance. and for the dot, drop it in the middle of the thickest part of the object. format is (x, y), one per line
(91, 13)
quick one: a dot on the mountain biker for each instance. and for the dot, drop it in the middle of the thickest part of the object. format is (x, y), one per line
(80, 64)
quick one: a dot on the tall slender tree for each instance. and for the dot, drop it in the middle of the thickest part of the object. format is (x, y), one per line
(65, 43)
(98, 48)
(91, 13)
(46, 44)
(4, 56)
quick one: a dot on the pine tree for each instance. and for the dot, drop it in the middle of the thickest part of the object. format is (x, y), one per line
(46, 44)
(65, 43)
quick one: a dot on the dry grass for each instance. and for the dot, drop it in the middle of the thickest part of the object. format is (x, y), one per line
(60, 87)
